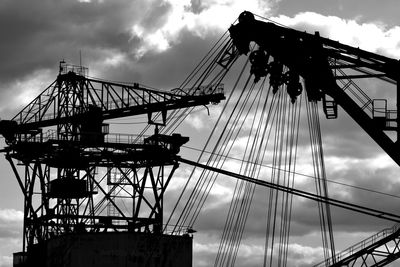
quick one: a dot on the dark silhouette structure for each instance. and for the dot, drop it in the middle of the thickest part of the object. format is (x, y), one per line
(320, 62)
(81, 171)
(76, 173)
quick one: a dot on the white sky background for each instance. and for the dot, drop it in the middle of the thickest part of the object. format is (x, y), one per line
(157, 43)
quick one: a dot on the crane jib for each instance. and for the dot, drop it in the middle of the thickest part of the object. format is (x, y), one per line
(334, 202)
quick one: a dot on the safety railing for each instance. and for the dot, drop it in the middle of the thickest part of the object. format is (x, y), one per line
(200, 90)
(51, 135)
(172, 230)
(79, 70)
(359, 246)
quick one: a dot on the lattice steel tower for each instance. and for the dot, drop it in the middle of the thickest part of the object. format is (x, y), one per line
(79, 179)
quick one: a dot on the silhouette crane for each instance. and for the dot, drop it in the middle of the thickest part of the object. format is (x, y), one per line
(77, 158)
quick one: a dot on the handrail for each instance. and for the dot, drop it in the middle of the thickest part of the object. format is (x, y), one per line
(116, 138)
(359, 246)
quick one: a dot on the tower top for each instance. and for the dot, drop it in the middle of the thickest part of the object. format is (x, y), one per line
(78, 70)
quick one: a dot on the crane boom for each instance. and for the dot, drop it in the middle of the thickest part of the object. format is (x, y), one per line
(328, 69)
(80, 97)
(320, 62)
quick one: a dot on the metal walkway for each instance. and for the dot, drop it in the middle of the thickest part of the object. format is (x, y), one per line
(377, 250)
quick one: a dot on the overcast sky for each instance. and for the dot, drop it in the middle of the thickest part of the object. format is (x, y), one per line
(157, 43)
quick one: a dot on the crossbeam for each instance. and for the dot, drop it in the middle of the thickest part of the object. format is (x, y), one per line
(115, 100)
(334, 202)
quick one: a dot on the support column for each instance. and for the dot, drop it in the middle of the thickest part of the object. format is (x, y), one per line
(398, 104)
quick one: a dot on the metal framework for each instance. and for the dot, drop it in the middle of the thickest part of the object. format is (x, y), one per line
(328, 69)
(76, 177)
(321, 63)
(379, 253)
(72, 97)
(378, 250)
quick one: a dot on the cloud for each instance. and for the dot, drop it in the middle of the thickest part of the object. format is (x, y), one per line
(251, 252)
(371, 36)
(23, 90)
(10, 223)
(206, 248)
(37, 34)
(41, 32)
(199, 17)
(6, 261)
(10, 235)
(300, 255)
(151, 42)
(10, 216)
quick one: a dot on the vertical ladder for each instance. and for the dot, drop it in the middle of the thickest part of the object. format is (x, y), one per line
(383, 118)
(330, 108)
(112, 183)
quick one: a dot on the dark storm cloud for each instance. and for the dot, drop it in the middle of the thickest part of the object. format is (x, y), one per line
(383, 179)
(196, 6)
(36, 34)
(164, 70)
(156, 17)
(380, 179)
(346, 139)
(212, 219)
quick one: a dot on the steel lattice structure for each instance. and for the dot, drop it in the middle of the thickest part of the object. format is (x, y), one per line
(320, 62)
(76, 174)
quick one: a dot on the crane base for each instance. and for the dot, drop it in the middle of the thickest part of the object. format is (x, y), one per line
(109, 249)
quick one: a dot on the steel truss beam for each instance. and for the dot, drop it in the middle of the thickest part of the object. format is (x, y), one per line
(372, 252)
(114, 100)
(319, 61)
(136, 193)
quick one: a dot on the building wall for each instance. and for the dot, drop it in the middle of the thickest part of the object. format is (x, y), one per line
(117, 249)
